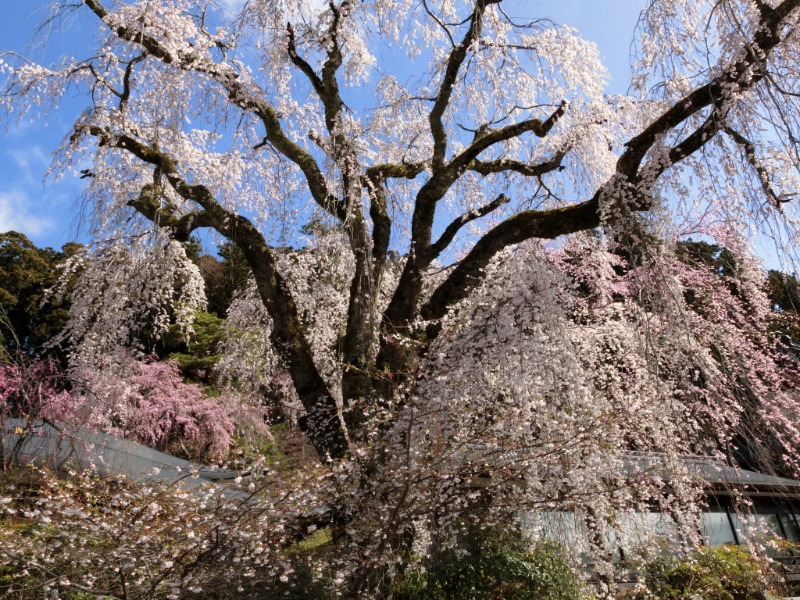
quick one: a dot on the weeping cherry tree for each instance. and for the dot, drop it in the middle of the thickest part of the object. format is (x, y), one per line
(496, 297)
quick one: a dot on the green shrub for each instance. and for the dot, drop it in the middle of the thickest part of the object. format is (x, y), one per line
(493, 568)
(304, 584)
(714, 573)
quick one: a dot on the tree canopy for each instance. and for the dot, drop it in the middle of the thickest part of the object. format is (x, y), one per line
(29, 317)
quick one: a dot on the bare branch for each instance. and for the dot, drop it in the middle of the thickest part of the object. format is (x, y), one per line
(450, 232)
(763, 175)
(148, 204)
(454, 63)
(697, 139)
(301, 64)
(489, 137)
(125, 95)
(395, 171)
(503, 165)
(241, 96)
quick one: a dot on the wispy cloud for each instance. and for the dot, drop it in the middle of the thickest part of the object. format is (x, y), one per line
(15, 215)
(231, 7)
(29, 158)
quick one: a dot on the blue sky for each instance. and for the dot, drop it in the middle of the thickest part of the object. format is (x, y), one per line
(47, 211)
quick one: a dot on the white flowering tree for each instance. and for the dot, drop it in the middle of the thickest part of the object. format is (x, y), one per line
(451, 134)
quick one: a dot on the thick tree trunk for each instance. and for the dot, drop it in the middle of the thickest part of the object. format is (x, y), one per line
(321, 422)
(358, 347)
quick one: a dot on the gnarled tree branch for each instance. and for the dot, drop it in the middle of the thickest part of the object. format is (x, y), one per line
(450, 232)
(240, 95)
(503, 165)
(761, 171)
(548, 224)
(454, 62)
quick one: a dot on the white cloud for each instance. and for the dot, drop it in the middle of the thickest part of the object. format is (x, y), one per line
(15, 215)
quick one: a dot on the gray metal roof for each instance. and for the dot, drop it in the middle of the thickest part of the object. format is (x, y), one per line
(714, 472)
(59, 446)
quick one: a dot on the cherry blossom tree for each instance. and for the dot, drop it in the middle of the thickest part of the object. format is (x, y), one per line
(505, 108)
(454, 149)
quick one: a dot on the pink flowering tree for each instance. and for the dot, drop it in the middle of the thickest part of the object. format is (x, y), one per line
(127, 299)
(34, 390)
(141, 400)
(149, 402)
(31, 391)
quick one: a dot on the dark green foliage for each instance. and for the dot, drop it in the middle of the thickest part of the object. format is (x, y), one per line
(218, 293)
(319, 226)
(303, 583)
(196, 352)
(223, 278)
(784, 291)
(26, 273)
(713, 573)
(193, 248)
(718, 259)
(492, 567)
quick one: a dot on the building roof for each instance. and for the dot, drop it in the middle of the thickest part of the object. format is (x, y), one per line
(715, 473)
(59, 446)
